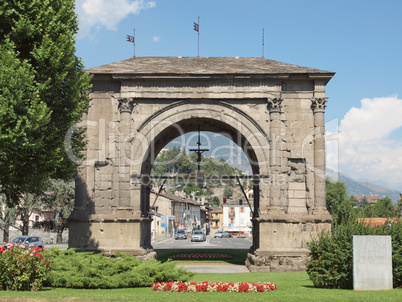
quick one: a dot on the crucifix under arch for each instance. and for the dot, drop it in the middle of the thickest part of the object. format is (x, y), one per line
(199, 151)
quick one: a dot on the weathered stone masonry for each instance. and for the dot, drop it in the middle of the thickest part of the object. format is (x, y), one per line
(273, 110)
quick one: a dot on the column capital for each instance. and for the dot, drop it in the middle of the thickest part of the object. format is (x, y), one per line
(274, 105)
(318, 104)
(126, 105)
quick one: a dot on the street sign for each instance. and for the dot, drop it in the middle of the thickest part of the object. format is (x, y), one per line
(163, 225)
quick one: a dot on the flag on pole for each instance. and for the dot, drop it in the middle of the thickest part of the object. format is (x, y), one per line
(196, 27)
(130, 39)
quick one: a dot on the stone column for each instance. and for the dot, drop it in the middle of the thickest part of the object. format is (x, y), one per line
(318, 106)
(274, 107)
(126, 107)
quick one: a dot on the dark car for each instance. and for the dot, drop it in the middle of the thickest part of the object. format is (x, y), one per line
(181, 234)
(198, 235)
(221, 234)
(29, 241)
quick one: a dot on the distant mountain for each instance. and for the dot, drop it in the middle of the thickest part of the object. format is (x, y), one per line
(363, 188)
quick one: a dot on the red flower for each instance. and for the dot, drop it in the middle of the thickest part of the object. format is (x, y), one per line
(213, 286)
(243, 287)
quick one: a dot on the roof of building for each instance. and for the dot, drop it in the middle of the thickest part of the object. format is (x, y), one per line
(369, 198)
(377, 221)
(216, 210)
(178, 199)
(202, 66)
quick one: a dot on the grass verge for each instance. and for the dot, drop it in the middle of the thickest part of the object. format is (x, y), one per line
(292, 286)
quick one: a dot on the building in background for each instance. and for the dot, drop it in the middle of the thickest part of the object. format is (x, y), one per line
(171, 212)
(236, 217)
(366, 198)
(216, 220)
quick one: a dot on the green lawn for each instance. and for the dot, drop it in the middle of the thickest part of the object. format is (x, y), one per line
(293, 286)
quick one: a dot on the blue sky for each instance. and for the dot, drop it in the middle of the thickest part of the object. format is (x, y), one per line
(360, 40)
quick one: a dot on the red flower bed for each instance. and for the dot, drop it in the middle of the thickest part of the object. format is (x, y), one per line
(238, 287)
(200, 256)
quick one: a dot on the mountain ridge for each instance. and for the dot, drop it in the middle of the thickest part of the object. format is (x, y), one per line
(221, 147)
(354, 187)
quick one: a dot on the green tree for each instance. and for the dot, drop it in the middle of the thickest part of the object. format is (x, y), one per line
(26, 205)
(398, 207)
(338, 203)
(384, 207)
(60, 198)
(366, 209)
(44, 91)
(363, 202)
(228, 191)
(215, 201)
(23, 116)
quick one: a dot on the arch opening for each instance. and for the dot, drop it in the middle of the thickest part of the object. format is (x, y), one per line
(247, 140)
(216, 204)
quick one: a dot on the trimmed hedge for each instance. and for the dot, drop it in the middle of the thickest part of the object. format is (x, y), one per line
(88, 270)
(331, 255)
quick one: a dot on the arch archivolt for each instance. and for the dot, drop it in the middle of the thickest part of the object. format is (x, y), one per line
(184, 116)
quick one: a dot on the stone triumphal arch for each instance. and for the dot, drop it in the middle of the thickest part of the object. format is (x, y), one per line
(272, 110)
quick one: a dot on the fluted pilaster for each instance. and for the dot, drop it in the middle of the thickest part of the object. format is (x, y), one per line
(318, 106)
(275, 109)
(125, 107)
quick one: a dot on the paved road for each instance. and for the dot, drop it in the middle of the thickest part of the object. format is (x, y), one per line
(210, 243)
(61, 246)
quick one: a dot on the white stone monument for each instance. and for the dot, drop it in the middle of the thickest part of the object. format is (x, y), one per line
(372, 262)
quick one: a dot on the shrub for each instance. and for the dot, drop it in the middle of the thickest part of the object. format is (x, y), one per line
(88, 270)
(331, 255)
(22, 269)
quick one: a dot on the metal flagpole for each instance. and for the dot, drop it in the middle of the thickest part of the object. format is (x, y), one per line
(263, 42)
(131, 39)
(134, 42)
(198, 51)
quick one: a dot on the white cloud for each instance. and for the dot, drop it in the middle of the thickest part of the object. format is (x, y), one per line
(366, 149)
(96, 14)
(156, 39)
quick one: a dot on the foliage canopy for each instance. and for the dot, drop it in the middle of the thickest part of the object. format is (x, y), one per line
(43, 92)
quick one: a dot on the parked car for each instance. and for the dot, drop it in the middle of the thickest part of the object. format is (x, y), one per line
(221, 234)
(198, 235)
(29, 241)
(180, 234)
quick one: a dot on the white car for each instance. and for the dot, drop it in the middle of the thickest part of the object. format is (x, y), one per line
(29, 241)
(198, 235)
(221, 235)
